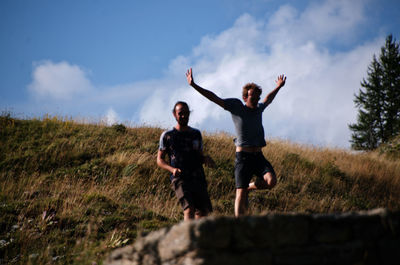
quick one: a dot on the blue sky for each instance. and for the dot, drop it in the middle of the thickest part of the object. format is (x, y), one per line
(125, 61)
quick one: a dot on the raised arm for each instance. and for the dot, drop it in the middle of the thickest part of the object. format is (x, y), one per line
(206, 93)
(279, 83)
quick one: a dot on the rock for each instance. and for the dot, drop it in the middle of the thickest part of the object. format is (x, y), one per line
(176, 242)
(369, 237)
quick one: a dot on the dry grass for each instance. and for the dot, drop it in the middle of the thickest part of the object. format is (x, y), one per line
(70, 192)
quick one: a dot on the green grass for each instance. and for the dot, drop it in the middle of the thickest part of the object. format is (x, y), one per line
(71, 192)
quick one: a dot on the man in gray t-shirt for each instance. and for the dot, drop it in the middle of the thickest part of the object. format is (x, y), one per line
(247, 119)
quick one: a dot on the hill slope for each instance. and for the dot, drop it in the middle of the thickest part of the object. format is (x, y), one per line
(71, 192)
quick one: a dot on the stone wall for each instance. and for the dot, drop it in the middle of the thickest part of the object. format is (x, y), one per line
(350, 238)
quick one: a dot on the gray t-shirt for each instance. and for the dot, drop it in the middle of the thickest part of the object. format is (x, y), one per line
(248, 122)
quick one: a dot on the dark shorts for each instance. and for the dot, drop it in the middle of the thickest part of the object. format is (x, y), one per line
(249, 164)
(192, 192)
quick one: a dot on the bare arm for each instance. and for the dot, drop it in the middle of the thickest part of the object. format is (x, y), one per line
(279, 83)
(206, 93)
(164, 165)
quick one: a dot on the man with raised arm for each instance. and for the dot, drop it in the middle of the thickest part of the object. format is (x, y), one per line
(247, 119)
(184, 147)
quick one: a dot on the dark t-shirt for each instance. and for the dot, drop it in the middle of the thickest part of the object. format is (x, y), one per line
(184, 149)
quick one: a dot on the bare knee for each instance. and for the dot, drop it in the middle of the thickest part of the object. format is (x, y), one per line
(269, 181)
(241, 193)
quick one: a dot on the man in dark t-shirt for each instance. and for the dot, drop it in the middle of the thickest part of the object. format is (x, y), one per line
(184, 147)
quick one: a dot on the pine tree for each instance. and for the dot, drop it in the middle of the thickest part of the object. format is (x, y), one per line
(378, 101)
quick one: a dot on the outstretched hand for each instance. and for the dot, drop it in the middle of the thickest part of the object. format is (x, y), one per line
(189, 76)
(281, 81)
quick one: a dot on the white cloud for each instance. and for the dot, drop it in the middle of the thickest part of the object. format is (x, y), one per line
(321, 22)
(66, 88)
(314, 107)
(59, 80)
(111, 117)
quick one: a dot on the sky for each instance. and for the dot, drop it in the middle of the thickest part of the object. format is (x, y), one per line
(125, 61)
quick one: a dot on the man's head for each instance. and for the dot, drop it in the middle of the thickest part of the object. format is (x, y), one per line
(181, 113)
(251, 94)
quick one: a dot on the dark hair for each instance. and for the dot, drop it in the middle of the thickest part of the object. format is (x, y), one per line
(249, 86)
(180, 103)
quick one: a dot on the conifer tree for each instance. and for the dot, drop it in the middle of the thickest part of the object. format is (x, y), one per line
(378, 101)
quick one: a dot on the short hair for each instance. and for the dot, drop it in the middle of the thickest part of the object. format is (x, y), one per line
(249, 86)
(180, 103)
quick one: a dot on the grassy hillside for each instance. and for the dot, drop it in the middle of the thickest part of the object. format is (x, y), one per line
(391, 149)
(70, 192)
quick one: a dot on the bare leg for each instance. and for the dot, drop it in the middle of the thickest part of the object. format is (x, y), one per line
(268, 182)
(200, 214)
(240, 202)
(188, 214)
(252, 186)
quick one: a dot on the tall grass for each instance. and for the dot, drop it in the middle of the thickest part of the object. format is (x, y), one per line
(72, 191)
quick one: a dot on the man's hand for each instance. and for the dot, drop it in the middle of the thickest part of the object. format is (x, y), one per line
(189, 76)
(176, 172)
(281, 81)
